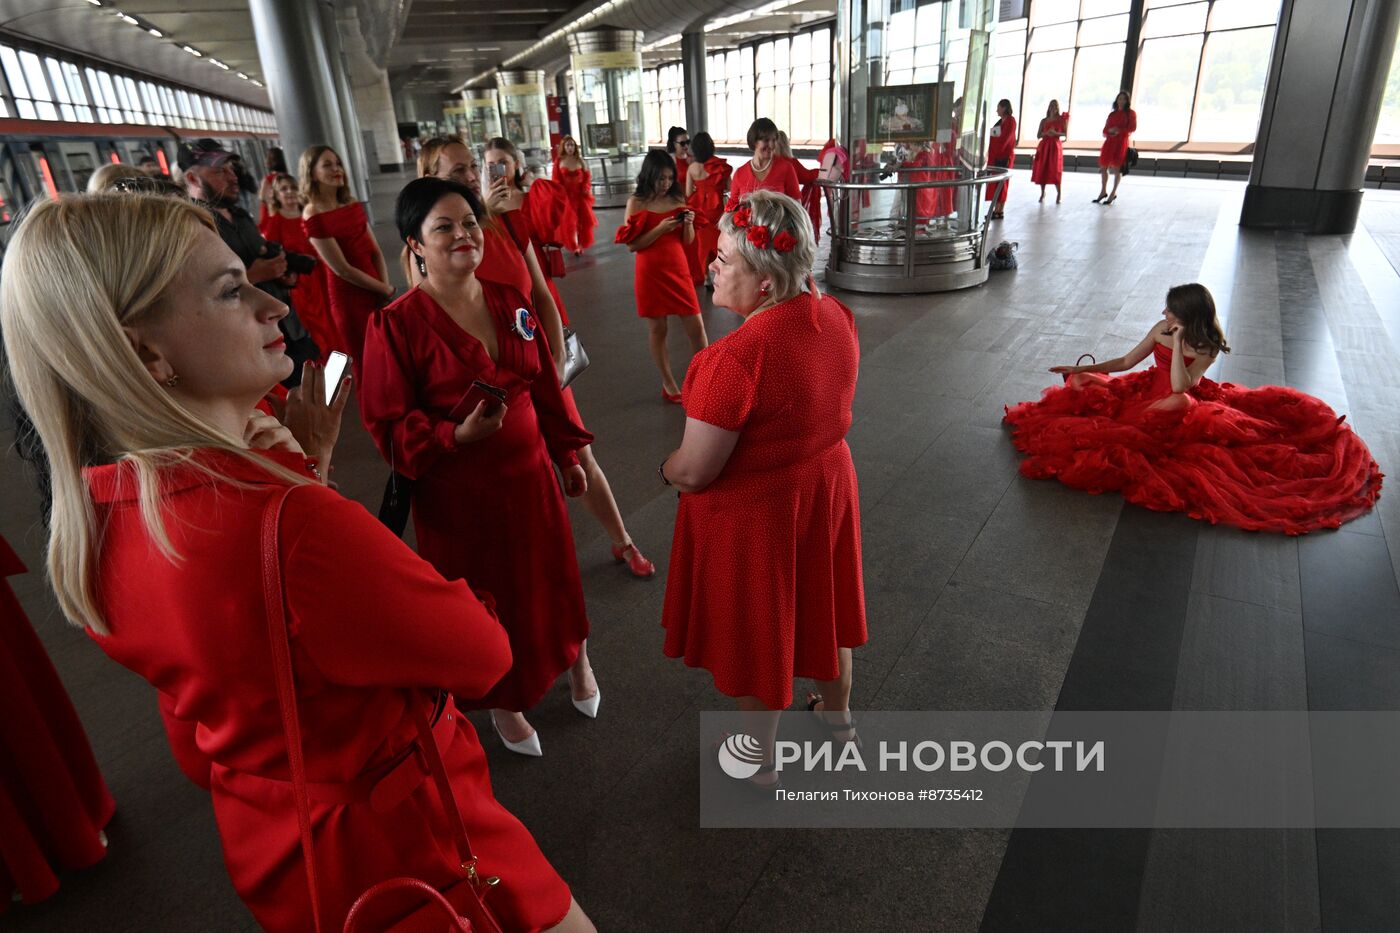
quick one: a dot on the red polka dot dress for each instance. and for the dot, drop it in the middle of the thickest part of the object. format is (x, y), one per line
(765, 582)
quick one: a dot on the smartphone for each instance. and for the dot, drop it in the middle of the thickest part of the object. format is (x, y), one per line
(334, 373)
(493, 396)
(497, 170)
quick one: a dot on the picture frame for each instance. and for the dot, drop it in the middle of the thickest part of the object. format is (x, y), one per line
(514, 125)
(601, 136)
(902, 112)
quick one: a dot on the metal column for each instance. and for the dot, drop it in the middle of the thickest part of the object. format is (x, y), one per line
(693, 71)
(357, 168)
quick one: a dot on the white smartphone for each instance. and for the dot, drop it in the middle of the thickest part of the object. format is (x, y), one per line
(334, 373)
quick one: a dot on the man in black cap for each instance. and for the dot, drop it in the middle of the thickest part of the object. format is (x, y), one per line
(210, 178)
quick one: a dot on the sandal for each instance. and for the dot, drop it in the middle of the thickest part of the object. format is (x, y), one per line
(834, 727)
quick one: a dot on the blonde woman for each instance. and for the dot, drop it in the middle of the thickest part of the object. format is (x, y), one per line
(138, 349)
(107, 175)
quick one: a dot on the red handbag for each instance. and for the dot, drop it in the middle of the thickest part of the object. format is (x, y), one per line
(553, 262)
(388, 905)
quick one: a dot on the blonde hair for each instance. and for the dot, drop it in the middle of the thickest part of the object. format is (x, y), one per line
(105, 175)
(306, 170)
(76, 272)
(432, 150)
(779, 213)
(784, 145)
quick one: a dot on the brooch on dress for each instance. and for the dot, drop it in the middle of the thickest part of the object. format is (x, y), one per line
(524, 325)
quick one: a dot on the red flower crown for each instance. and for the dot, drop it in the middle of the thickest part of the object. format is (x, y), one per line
(760, 235)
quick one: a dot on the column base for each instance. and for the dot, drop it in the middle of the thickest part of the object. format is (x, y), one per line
(1302, 209)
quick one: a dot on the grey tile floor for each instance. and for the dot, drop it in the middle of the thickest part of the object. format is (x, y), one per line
(985, 590)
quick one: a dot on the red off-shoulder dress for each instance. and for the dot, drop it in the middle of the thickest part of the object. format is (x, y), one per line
(350, 305)
(1266, 459)
(661, 282)
(707, 201)
(489, 512)
(309, 297)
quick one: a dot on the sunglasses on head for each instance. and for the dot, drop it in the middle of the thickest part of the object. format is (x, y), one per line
(146, 185)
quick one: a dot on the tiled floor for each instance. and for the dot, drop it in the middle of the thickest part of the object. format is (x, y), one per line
(985, 590)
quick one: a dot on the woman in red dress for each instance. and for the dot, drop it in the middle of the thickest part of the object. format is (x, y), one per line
(811, 197)
(517, 208)
(658, 229)
(1049, 165)
(1169, 439)
(157, 414)
(267, 197)
(1117, 133)
(53, 801)
(1001, 153)
(766, 171)
(486, 505)
(576, 232)
(507, 260)
(706, 182)
(765, 582)
(678, 148)
(284, 225)
(357, 281)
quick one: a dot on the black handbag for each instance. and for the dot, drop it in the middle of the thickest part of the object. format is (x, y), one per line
(397, 503)
(575, 357)
(1130, 160)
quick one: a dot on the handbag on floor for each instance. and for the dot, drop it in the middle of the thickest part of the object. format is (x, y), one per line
(1003, 256)
(462, 902)
(575, 357)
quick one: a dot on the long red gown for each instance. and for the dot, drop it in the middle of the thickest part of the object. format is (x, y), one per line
(707, 201)
(661, 281)
(375, 632)
(765, 582)
(1001, 152)
(309, 297)
(489, 512)
(1049, 165)
(576, 230)
(350, 305)
(1267, 459)
(781, 177)
(53, 801)
(1115, 148)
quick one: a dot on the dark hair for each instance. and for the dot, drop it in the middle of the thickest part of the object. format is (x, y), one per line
(653, 165)
(1195, 308)
(672, 135)
(1127, 104)
(1007, 104)
(762, 128)
(417, 198)
(702, 146)
(276, 161)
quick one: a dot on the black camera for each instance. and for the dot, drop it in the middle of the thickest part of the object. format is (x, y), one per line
(300, 263)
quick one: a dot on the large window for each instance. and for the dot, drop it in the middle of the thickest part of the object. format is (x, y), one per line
(663, 100)
(1388, 128)
(793, 80)
(730, 106)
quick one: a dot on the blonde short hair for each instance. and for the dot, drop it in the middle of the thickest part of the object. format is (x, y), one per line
(105, 175)
(780, 214)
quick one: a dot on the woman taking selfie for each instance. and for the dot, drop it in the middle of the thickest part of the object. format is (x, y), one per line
(516, 208)
(460, 395)
(139, 373)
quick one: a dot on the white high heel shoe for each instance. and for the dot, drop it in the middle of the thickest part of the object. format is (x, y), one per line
(528, 746)
(588, 707)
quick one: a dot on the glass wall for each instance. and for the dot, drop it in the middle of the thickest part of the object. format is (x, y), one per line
(1387, 140)
(730, 76)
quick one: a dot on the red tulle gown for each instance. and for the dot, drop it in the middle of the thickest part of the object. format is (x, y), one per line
(661, 282)
(1115, 148)
(490, 512)
(53, 801)
(309, 297)
(707, 201)
(350, 305)
(1267, 459)
(1049, 165)
(575, 232)
(765, 582)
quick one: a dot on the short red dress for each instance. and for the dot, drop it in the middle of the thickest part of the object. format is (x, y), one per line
(765, 582)
(1114, 151)
(1001, 152)
(1266, 459)
(53, 801)
(309, 297)
(1049, 165)
(350, 305)
(661, 281)
(490, 512)
(781, 177)
(707, 201)
(579, 221)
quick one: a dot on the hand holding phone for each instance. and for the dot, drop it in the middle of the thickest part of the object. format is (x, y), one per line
(480, 413)
(334, 375)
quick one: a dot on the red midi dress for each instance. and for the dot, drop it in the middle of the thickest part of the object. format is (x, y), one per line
(309, 297)
(1049, 165)
(521, 228)
(661, 281)
(489, 512)
(781, 177)
(1114, 151)
(576, 230)
(1001, 153)
(350, 305)
(707, 201)
(1266, 459)
(765, 581)
(375, 633)
(53, 801)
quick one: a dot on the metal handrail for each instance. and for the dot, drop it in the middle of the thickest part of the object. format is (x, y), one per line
(984, 176)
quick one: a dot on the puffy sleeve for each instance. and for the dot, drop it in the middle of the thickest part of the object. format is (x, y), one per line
(368, 611)
(544, 205)
(633, 228)
(720, 390)
(409, 438)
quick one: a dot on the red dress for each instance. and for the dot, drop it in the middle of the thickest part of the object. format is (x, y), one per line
(576, 230)
(521, 228)
(661, 282)
(489, 512)
(929, 202)
(309, 297)
(707, 201)
(781, 178)
(1001, 152)
(375, 632)
(1049, 165)
(1267, 459)
(350, 304)
(765, 580)
(1115, 148)
(811, 195)
(53, 801)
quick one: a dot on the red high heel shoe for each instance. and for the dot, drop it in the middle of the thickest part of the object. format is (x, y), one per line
(639, 565)
(673, 399)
